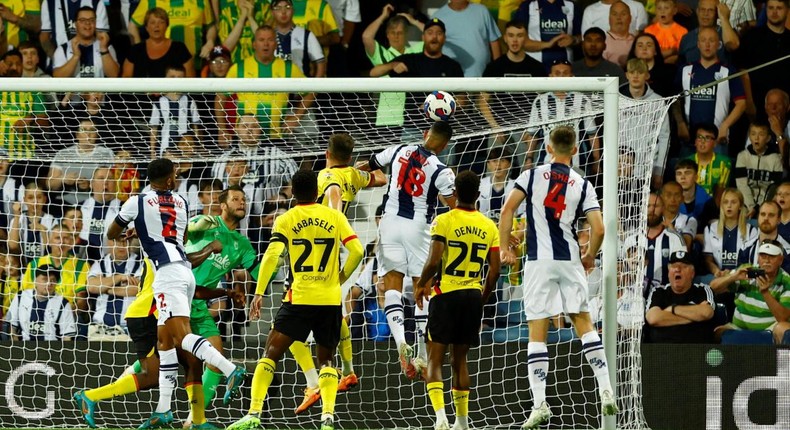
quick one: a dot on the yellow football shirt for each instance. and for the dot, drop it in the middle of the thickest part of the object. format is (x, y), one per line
(229, 16)
(269, 108)
(143, 304)
(348, 178)
(187, 19)
(14, 34)
(73, 276)
(15, 106)
(312, 235)
(468, 237)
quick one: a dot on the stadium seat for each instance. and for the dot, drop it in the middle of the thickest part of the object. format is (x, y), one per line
(747, 337)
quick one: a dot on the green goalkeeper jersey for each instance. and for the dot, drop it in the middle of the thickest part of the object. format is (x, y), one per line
(237, 251)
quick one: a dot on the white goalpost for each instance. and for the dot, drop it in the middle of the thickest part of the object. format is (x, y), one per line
(618, 137)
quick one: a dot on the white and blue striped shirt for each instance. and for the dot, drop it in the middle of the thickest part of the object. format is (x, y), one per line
(160, 219)
(556, 197)
(47, 320)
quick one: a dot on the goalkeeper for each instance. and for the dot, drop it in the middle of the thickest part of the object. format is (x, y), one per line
(338, 185)
(213, 240)
(462, 240)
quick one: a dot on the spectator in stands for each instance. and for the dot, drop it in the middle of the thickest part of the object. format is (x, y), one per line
(618, 39)
(347, 16)
(10, 277)
(743, 15)
(296, 44)
(472, 35)
(782, 198)
(662, 75)
(191, 20)
(173, 116)
(430, 63)
(658, 245)
(59, 25)
(666, 30)
(72, 167)
(98, 211)
(31, 60)
(111, 119)
(680, 311)
(764, 44)
(758, 168)
(208, 195)
(150, 58)
(114, 280)
(768, 224)
(496, 185)
(11, 191)
(711, 105)
(18, 17)
(638, 89)
(597, 15)
(72, 220)
(562, 106)
(269, 109)
(40, 313)
(777, 107)
(593, 63)
(30, 224)
(671, 197)
(219, 62)
(237, 21)
(553, 29)
(316, 16)
(713, 168)
(763, 300)
(88, 54)
(73, 271)
(728, 235)
(390, 106)
(708, 13)
(20, 111)
(696, 201)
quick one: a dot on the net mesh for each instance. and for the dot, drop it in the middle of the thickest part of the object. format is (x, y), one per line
(66, 149)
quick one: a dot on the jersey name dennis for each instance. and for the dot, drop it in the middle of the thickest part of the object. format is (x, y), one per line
(470, 230)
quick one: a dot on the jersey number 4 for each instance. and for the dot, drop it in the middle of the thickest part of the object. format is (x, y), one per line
(327, 243)
(474, 257)
(555, 200)
(411, 178)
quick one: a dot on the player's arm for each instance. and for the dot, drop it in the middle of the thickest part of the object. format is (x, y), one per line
(492, 278)
(448, 201)
(198, 257)
(335, 197)
(377, 179)
(595, 219)
(127, 214)
(512, 202)
(269, 266)
(355, 254)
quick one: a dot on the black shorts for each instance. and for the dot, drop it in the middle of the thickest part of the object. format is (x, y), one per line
(143, 334)
(297, 321)
(454, 318)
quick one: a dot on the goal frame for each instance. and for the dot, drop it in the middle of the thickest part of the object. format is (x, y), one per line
(608, 86)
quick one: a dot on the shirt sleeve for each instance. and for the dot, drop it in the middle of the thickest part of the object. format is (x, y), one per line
(376, 58)
(492, 31)
(706, 295)
(522, 182)
(313, 48)
(59, 59)
(383, 158)
(138, 17)
(102, 23)
(345, 231)
(445, 182)
(656, 298)
(364, 179)
(128, 212)
(46, 23)
(590, 202)
(67, 323)
(12, 317)
(352, 13)
(494, 241)
(438, 229)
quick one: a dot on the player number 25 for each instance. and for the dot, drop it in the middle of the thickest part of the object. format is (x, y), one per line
(473, 257)
(327, 243)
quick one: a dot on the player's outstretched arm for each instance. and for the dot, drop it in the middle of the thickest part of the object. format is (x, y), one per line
(429, 270)
(355, 254)
(114, 230)
(494, 264)
(269, 265)
(335, 197)
(379, 179)
(512, 202)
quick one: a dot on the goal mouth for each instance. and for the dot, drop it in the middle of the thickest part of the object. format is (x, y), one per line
(242, 132)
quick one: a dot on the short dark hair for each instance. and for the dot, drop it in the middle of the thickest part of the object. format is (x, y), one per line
(687, 163)
(515, 23)
(341, 146)
(595, 30)
(48, 271)
(705, 126)
(27, 44)
(397, 20)
(304, 185)
(12, 53)
(563, 139)
(160, 169)
(86, 9)
(467, 187)
(761, 123)
(223, 196)
(210, 185)
(442, 129)
(499, 152)
(176, 68)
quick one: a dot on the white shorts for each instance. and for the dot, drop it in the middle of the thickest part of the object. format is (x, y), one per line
(553, 287)
(403, 245)
(174, 287)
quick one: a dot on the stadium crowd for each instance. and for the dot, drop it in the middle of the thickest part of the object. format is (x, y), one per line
(718, 218)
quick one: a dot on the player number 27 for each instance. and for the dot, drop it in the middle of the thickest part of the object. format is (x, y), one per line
(473, 257)
(327, 243)
(555, 200)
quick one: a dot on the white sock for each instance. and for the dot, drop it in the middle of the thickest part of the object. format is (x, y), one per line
(312, 378)
(538, 367)
(325, 417)
(202, 349)
(462, 421)
(421, 320)
(595, 355)
(441, 415)
(393, 308)
(168, 378)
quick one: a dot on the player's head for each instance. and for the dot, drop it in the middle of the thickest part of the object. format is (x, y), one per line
(686, 173)
(467, 188)
(162, 174)
(438, 137)
(233, 202)
(304, 185)
(46, 279)
(341, 147)
(562, 141)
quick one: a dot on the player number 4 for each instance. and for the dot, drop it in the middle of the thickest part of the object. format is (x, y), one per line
(555, 200)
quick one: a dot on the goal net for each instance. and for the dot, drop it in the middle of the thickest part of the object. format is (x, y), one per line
(76, 149)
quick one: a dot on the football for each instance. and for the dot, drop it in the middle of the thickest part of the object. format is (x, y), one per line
(439, 106)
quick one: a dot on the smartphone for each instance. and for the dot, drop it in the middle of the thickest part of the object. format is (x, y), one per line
(754, 272)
